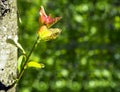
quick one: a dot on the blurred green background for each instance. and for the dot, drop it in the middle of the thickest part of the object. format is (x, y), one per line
(84, 58)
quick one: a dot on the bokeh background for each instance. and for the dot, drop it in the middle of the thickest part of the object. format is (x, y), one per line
(84, 58)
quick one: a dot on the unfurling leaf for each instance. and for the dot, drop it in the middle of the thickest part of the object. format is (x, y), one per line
(47, 20)
(20, 61)
(35, 64)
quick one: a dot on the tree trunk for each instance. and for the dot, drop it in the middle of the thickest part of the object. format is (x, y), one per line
(8, 52)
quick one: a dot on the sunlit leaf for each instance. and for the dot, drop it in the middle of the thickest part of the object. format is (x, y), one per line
(48, 34)
(35, 64)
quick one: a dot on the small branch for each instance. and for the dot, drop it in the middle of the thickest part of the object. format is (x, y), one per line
(27, 59)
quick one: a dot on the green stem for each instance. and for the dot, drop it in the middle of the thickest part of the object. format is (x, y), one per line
(27, 59)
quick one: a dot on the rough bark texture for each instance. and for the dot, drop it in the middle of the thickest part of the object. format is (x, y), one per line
(8, 52)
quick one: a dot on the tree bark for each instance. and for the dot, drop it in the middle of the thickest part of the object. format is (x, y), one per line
(8, 52)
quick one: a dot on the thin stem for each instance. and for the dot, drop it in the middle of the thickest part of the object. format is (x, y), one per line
(27, 59)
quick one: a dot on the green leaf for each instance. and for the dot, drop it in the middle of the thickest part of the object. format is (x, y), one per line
(35, 64)
(17, 44)
(20, 61)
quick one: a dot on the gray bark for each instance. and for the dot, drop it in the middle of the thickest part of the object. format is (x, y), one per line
(8, 52)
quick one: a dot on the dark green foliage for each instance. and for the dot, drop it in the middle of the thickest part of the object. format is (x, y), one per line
(85, 57)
